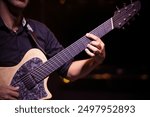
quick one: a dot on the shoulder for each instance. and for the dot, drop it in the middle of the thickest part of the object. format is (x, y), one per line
(37, 25)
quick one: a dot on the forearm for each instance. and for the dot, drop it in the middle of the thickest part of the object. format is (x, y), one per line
(96, 50)
(80, 69)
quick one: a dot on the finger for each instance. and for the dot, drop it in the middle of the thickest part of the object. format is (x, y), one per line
(8, 95)
(97, 44)
(95, 38)
(14, 94)
(92, 36)
(13, 88)
(93, 48)
(13, 98)
(13, 91)
(89, 52)
(10, 98)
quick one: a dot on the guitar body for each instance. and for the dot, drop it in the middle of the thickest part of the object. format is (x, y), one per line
(19, 76)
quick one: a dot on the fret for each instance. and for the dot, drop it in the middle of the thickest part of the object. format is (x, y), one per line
(103, 29)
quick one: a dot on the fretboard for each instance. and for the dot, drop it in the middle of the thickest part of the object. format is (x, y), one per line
(44, 70)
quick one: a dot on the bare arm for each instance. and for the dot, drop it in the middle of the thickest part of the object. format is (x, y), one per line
(81, 68)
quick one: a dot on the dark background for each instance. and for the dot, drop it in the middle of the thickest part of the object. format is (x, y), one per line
(125, 71)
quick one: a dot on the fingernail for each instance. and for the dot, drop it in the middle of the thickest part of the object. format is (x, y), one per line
(87, 34)
(17, 87)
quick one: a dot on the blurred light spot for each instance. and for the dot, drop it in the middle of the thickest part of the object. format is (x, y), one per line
(62, 2)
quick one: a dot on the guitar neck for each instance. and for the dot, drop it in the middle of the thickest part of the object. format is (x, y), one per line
(68, 53)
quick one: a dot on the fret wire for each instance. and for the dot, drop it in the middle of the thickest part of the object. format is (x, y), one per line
(57, 60)
(42, 70)
(82, 45)
(98, 28)
(73, 50)
(104, 28)
(48, 66)
(76, 48)
(65, 55)
(61, 57)
(54, 62)
(70, 53)
(49, 62)
(108, 26)
(38, 71)
(38, 75)
(85, 41)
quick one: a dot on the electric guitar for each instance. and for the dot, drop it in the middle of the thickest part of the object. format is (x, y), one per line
(31, 74)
